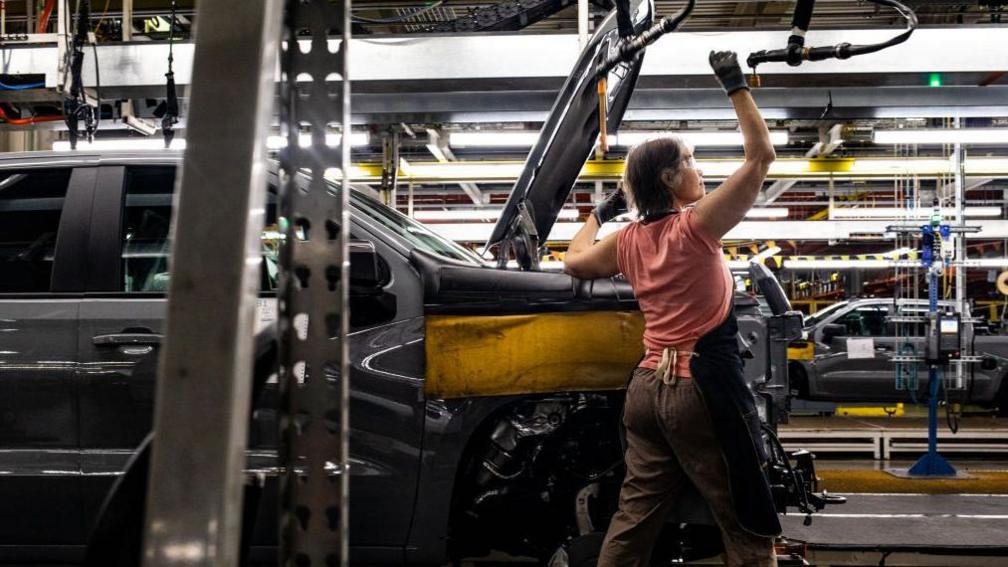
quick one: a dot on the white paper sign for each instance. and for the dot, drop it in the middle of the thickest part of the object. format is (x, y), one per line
(860, 348)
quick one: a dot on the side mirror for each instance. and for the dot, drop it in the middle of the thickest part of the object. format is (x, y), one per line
(370, 304)
(368, 272)
(831, 331)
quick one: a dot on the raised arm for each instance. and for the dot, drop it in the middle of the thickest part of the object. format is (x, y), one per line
(727, 205)
(587, 259)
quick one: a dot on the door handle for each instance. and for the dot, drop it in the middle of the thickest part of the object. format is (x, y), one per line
(120, 339)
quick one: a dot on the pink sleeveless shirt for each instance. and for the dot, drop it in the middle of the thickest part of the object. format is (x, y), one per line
(681, 281)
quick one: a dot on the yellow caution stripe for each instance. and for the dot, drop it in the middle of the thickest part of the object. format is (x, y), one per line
(895, 410)
(527, 354)
(801, 350)
(865, 480)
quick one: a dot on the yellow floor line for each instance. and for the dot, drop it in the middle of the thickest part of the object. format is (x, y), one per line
(858, 480)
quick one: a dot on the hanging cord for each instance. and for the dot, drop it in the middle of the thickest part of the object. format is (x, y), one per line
(43, 22)
(75, 105)
(168, 111)
(796, 52)
(628, 47)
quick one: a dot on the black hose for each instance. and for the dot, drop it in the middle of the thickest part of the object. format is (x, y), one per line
(631, 46)
(795, 53)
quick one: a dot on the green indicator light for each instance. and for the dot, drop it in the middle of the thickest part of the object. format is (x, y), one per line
(935, 80)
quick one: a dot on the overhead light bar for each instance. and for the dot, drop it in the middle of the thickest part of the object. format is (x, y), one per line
(837, 264)
(113, 144)
(767, 213)
(492, 139)
(157, 143)
(518, 139)
(695, 139)
(478, 214)
(917, 213)
(357, 139)
(939, 136)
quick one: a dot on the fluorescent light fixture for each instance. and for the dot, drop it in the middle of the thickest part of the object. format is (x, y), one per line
(767, 213)
(695, 139)
(517, 139)
(492, 139)
(478, 214)
(272, 142)
(357, 139)
(837, 264)
(985, 263)
(121, 144)
(938, 136)
(918, 213)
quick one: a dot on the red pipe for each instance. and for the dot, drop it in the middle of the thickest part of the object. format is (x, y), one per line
(46, 13)
(26, 121)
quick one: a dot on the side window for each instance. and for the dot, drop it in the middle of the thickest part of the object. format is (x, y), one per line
(867, 321)
(31, 202)
(146, 218)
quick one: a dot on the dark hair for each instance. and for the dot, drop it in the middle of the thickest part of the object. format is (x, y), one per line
(642, 181)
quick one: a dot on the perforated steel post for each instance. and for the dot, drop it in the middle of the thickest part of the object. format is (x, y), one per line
(313, 312)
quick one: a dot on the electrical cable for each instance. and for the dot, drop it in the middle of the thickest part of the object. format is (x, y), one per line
(398, 19)
(6, 87)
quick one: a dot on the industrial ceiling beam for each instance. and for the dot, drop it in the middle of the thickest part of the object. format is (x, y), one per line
(437, 145)
(678, 60)
(832, 140)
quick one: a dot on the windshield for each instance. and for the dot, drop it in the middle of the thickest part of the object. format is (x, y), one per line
(823, 313)
(416, 234)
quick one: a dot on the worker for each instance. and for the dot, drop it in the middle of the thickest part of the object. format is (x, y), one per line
(689, 416)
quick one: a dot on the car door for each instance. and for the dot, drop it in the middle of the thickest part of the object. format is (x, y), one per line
(121, 318)
(43, 215)
(841, 374)
(121, 324)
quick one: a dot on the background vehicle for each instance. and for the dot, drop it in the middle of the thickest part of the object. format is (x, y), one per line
(826, 373)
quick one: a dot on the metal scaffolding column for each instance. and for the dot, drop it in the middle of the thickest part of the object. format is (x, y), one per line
(314, 315)
(203, 388)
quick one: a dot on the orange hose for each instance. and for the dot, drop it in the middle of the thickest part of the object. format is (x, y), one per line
(46, 13)
(26, 121)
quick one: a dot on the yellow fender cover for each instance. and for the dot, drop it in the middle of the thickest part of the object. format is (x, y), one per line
(529, 354)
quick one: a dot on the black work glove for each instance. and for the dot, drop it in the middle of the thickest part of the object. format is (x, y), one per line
(613, 206)
(727, 71)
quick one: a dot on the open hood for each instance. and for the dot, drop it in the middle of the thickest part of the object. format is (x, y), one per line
(566, 141)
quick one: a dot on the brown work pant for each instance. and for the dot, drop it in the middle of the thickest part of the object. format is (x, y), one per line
(670, 440)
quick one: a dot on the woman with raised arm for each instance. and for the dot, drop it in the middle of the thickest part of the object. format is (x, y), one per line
(689, 416)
